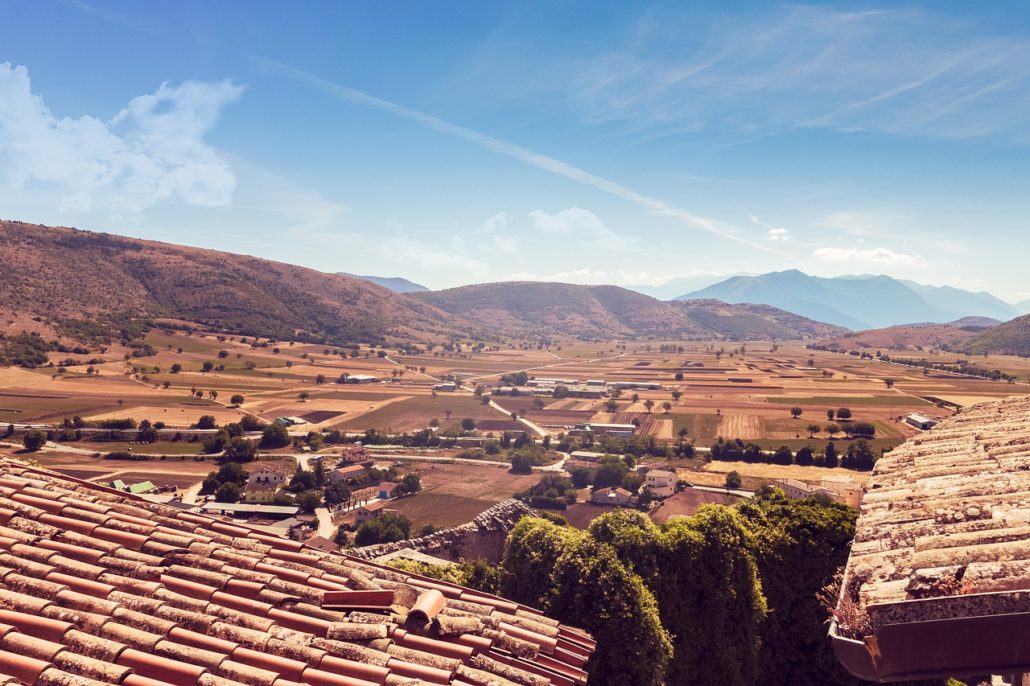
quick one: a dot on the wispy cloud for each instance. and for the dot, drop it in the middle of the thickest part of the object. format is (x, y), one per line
(582, 224)
(900, 71)
(153, 150)
(403, 248)
(590, 276)
(517, 152)
(880, 257)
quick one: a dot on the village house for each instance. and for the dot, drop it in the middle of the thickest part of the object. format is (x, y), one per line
(612, 496)
(386, 489)
(799, 490)
(354, 454)
(661, 482)
(344, 474)
(268, 475)
(370, 511)
(847, 490)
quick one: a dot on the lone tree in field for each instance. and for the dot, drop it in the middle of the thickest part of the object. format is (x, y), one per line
(889, 383)
(33, 440)
(832, 429)
(649, 404)
(667, 406)
(237, 400)
(468, 424)
(733, 480)
(676, 395)
(843, 413)
(830, 414)
(611, 405)
(813, 429)
(304, 395)
(795, 412)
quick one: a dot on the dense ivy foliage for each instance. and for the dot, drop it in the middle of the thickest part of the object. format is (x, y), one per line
(727, 596)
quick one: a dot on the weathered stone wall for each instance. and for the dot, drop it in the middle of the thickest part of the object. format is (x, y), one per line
(482, 538)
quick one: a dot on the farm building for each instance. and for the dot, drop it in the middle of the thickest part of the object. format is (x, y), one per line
(661, 482)
(136, 489)
(596, 382)
(551, 382)
(586, 455)
(799, 490)
(386, 489)
(289, 421)
(446, 386)
(848, 490)
(920, 421)
(610, 429)
(345, 473)
(612, 496)
(636, 385)
(243, 510)
(370, 511)
(585, 392)
(354, 454)
(361, 378)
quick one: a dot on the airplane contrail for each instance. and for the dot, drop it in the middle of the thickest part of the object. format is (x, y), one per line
(517, 152)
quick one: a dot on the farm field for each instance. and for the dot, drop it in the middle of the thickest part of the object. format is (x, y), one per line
(713, 389)
(455, 493)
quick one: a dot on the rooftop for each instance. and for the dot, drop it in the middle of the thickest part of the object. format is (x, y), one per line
(98, 586)
(250, 508)
(944, 536)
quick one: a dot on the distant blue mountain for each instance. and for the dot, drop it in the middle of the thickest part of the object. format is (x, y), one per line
(856, 302)
(396, 284)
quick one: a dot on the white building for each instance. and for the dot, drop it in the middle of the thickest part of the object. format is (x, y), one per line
(847, 489)
(271, 475)
(661, 482)
(921, 421)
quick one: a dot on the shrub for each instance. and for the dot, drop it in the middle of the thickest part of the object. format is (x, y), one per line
(33, 440)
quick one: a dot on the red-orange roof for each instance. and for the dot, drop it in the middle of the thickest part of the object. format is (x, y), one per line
(98, 586)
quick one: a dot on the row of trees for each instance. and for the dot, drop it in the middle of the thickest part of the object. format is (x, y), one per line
(859, 455)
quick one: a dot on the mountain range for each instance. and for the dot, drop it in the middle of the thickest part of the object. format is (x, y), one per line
(397, 284)
(857, 302)
(605, 312)
(63, 281)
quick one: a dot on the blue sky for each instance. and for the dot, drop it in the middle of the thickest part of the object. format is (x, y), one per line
(589, 142)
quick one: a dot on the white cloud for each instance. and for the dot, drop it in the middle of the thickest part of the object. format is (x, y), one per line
(884, 257)
(497, 222)
(591, 276)
(404, 248)
(582, 224)
(151, 151)
(779, 234)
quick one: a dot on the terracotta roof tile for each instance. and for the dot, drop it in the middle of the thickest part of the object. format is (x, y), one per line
(100, 587)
